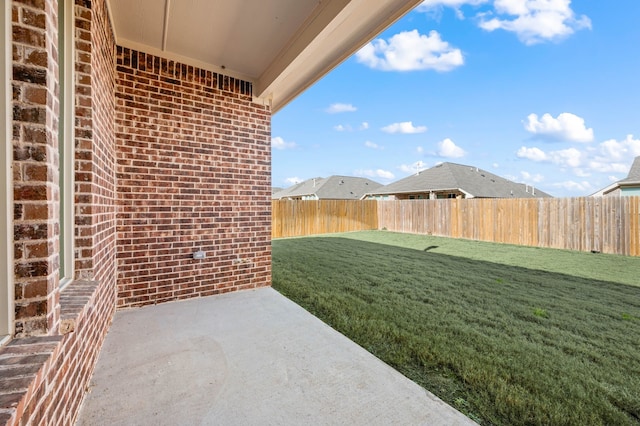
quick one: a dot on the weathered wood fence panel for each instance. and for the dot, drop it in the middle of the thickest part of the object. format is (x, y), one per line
(292, 218)
(604, 224)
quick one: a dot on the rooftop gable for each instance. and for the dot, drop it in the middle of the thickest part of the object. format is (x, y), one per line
(346, 187)
(331, 188)
(632, 179)
(300, 189)
(472, 180)
(634, 173)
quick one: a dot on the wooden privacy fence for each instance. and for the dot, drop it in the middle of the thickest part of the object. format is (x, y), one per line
(292, 218)
(604, 224)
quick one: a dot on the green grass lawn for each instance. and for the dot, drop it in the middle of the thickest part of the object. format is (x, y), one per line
(508, 335)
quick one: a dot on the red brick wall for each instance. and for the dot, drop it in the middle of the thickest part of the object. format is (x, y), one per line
(194, 166)
(88, 306)
(184, 167)
(44, 378)
(35, 167)
(95, 152)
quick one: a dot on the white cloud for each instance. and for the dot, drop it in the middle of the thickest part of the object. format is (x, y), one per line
(528, 177)
(567, 127)
(293, 180)
(613, 150)
(448, 149)
(405, 127)
(535, 21)
(574, 186)
(570, 157)
(372, 145)
(581, 172)
(495, 165)
(567, 157)
(337, 108)
(612, 156)
(407, 168)
(410, 51)
(348, 128)
(606, 167)
(428, 6)
(533, 154)
(411, 168)
(378, 173)
(420, 150)
(279, 143)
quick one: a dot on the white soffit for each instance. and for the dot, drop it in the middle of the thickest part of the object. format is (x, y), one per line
(281, 46)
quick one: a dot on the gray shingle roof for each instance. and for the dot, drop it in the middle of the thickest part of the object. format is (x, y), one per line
(634, 173)
(299, 189)
(331, 188)
(471, 180)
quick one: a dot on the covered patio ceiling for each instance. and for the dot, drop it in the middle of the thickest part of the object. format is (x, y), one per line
(280, 46)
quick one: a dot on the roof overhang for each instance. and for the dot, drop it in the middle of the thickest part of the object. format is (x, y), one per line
(280, 46)
(606, 190)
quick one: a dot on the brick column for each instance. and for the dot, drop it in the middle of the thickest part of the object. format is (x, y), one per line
(35, 166)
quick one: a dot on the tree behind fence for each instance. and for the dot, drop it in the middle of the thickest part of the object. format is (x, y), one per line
(603, 224)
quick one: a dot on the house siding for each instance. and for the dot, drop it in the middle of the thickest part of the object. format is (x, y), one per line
(169, 159)
(194, 173)
(616, 192)
(629, 191)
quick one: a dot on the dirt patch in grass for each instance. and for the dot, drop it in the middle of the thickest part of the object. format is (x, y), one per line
(504, 344)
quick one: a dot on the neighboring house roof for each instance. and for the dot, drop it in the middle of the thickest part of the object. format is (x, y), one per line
(275, 189)
(299, 189)
(632, 179)
(468, 179)
(331, 188)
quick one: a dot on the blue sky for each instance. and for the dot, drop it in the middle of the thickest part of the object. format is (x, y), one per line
(543, 92)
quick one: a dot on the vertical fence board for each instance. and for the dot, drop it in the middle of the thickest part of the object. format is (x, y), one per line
(634, 227)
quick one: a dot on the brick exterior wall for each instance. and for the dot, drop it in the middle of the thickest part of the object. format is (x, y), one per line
(35, 167)
(169, 159)
(43, 378)
(95, 150)
(194, 173)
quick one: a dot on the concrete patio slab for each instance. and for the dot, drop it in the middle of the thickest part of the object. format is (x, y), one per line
(246, 358)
